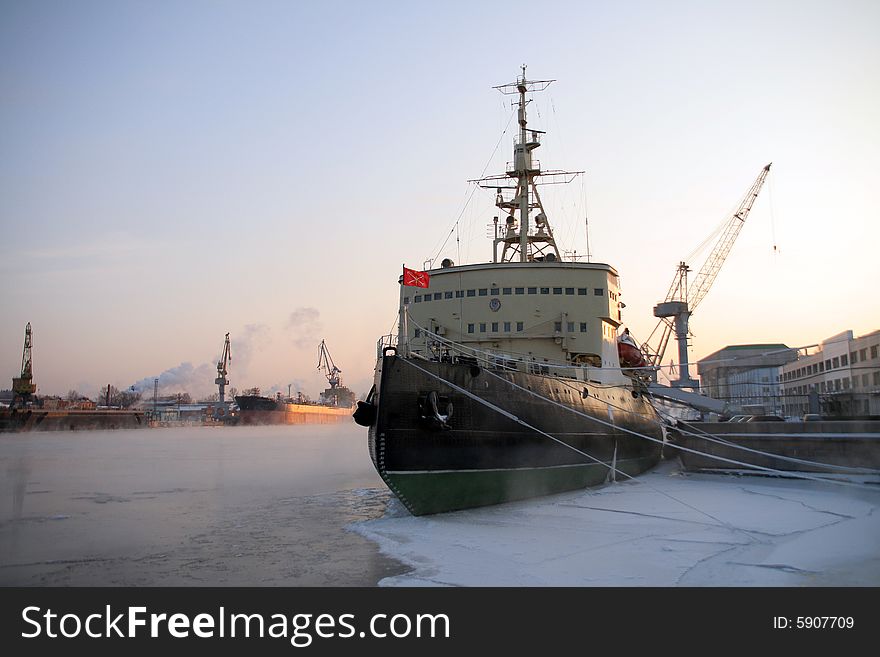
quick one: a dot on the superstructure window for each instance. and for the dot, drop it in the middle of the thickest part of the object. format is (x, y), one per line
(557, 290)
(874, 352)
(459, 294)
(494, 291)
(472, 293)
(482, 327)
(405, 301)
(427, 298)
(545, 290)
(557, 326)
(506, 290)
(418, 333)
(447, 295)
(599, 291)
(520, 290)
(569, 290)
(583, 327)
(438, 296)
(470, 328)
(494, 327)
(571, 327)
(582, 291)
(519, 326)
(507, 327)
(483, 291)
(844, 360)
(417, 299)
(533, 290)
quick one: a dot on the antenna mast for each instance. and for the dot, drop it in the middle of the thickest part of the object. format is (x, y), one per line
(517, 192)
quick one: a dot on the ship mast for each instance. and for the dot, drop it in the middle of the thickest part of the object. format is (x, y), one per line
(520, 242)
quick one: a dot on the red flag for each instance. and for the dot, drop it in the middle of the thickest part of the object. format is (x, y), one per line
(415, 278)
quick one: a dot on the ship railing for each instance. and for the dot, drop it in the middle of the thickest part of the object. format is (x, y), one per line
(534, 166)
(390, 340)
(443, 350)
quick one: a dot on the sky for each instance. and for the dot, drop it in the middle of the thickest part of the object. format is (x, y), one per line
(173, 171)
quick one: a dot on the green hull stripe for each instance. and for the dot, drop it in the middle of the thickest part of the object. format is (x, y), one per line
(426, 492)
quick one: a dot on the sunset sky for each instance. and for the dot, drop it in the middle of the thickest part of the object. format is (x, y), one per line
(172, 171)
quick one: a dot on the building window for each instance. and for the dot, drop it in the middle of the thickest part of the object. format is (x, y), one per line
(459, 294)
(520, 290)
(557, 290)
(470, 328)
(505, 290)
(843, 360)
(583, 327)
(821, 367)
(582, 291)
(835, 362)
(482, 327)
(447, 295)
(545, 290)
(418, 333)
(853, 357)
(494, 291)
(417, 299)
(519, 326)
(405, 301)
(557, 326)
(599, 292)
(438, 296)
(876, 378)
(846, 383)
(484, 291)
(571, 327)
(864, 380)
(507, 327)
(533, 290)
(494, 327)
(874, 352)
(863, 354)
(828, 364)
(472, 293)
(569, 290)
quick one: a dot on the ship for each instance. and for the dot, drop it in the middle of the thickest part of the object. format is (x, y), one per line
(334, 405)
(503, 380)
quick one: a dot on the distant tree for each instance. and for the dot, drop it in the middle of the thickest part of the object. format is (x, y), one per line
(127, 399)
(233, 393)
(73, 395)
(184, 398)
(214, 397)
(251, 392)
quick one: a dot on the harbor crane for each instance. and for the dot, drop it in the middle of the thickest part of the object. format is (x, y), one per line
(23, 386)
(325, 362)
(682, 299)
(221, 379)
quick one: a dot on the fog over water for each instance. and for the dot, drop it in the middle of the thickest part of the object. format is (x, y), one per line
(261, 506)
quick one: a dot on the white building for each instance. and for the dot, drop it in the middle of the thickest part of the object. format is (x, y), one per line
(841, 377)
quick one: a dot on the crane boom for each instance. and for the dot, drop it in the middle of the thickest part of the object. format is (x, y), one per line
(221, 381)
(712, 266)
(325, 362)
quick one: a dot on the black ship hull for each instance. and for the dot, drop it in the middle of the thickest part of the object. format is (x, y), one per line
(451, 436)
